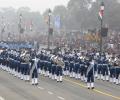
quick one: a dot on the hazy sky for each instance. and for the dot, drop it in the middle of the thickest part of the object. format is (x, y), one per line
(35, 5)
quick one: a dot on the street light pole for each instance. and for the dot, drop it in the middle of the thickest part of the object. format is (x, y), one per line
(101, 40)
(3, 28)
(49, 21)
(20, 26)
(101, 13)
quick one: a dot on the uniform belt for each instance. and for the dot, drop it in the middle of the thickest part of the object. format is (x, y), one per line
(24, 63)
(100, 64)
(105, 64)
(112, 67)
(117, 67)
(81, 64)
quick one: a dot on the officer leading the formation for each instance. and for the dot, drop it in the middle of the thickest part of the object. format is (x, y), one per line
(90, 74)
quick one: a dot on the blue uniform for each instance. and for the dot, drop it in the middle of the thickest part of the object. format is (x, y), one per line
(99, 67)
(35, 72)
(90, 75)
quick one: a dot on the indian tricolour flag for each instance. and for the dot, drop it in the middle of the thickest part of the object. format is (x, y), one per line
(101, 11)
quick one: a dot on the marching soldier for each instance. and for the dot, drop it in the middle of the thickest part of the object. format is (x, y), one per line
(71, 68)
(41, 64)
(90, 74)
(117, 71)
(22, 65)
(105, 70)
(59, 69)
(27, 67)
(82, 68)
(66, 69)
(34, 71)
(99, 67)
(49, 69)
(53, 69)
(112, 69)
(77, 70)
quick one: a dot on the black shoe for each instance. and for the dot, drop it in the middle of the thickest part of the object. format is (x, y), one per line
(27, 80)
(92, 88)
(88, 88)
(36, 84)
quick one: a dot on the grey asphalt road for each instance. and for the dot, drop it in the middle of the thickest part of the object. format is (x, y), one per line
(12, 88)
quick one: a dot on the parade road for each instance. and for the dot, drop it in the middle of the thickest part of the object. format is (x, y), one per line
(12, 88)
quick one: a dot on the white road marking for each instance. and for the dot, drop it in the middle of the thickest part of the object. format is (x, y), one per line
(61, 98)
(1, 98)
(49, 92)
(41, 88)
